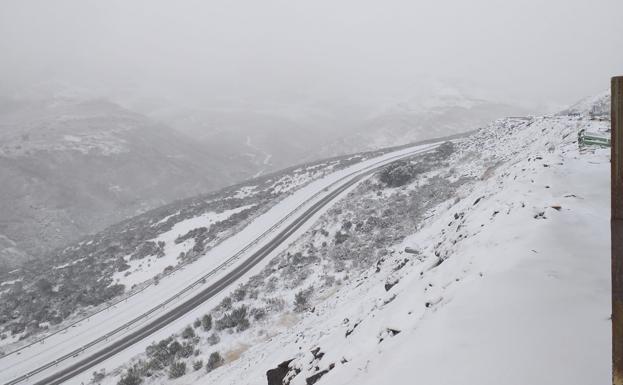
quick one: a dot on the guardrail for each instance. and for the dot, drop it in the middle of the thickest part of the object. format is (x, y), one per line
(202, 280)
(586, 138)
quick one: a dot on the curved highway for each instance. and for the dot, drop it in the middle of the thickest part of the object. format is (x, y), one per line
(237, 272)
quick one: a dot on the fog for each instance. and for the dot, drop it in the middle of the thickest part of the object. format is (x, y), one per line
(292, 191)
(532, 53)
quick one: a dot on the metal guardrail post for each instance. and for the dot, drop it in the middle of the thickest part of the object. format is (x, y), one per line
(616, 227)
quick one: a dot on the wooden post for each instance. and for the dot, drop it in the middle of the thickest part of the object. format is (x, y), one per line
(616, 227)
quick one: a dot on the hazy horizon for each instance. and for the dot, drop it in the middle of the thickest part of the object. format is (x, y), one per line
(197, 54)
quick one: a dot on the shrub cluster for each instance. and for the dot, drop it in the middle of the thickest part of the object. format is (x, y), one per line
(237, 318)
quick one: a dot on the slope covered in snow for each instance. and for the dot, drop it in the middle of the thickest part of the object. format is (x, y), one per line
(69, 168)
(484, 262)
(519, 292)
(280, 133)
(446, 111)
(128, 257)
(597, 106)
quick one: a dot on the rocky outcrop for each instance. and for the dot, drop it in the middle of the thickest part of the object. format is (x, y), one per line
(277, 375)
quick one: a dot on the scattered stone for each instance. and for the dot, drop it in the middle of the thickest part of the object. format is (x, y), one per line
(313, 379)
(401, 264)
(351, 330)
(388, 332)
(390, 284)
(390, 299)
(276, 376)
(317, 353)
(438, 262)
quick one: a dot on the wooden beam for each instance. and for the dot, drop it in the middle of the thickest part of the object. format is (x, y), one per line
(616, 227)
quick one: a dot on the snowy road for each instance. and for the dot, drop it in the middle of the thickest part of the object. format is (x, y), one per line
(161, 309)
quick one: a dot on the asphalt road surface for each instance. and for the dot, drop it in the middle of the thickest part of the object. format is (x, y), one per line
(177, 312)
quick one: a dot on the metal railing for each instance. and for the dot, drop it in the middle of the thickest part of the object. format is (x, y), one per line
(203, 279)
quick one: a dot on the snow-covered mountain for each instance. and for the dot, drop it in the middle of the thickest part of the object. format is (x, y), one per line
(595, 106)
(482, 262)
(110, 162)
(436, 257)
(267, 139)
(279, 134)
(69, 168)
(408, 121)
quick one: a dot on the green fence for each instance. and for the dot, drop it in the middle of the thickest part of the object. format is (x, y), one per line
(593, 139)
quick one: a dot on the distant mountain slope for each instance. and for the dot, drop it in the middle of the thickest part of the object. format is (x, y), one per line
(594, 106)
(270, 141)
(277, 135)
(69, 168)
(410, 121)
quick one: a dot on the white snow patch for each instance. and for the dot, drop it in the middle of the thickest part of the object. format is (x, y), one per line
(146, 268)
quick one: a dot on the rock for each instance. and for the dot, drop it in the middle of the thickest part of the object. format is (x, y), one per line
(349, 331)
(401, 264)
(390, 284)
(317, 353)
(276, 376)
(411, 250)
(313, 379)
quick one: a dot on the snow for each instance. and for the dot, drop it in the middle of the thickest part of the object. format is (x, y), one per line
(289, 183)
(276, 218)
(10, 282)
(72, 138)
(64, 265)
(510, 286)
(144, 269)
(163, 220)
(598, 104)
(521, 294)
(539, 314)
(204, 220)
(244, 192)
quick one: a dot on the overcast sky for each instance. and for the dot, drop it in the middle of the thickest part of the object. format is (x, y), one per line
(546, 52)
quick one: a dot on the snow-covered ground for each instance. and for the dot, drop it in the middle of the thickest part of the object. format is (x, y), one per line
(522, 295)
(141, 261)
(504, 278)
(141, 270)
(505, 283)
(99, 324)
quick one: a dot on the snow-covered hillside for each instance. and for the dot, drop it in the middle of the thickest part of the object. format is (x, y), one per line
(69, 168)
(279, 133)
(447, 112)
(597, 106)
(484, 262)
(81, 278)
(510, 282)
